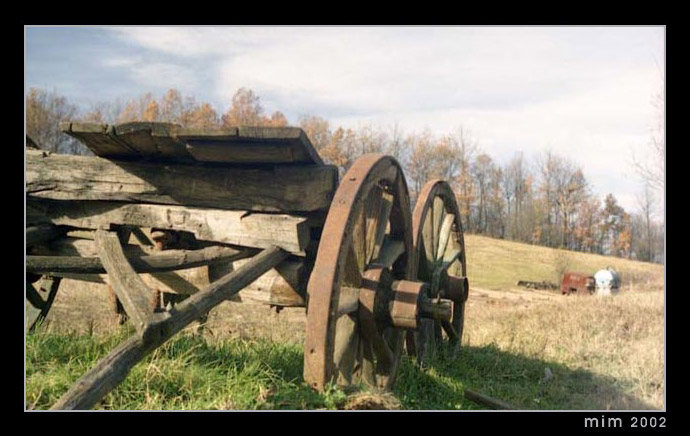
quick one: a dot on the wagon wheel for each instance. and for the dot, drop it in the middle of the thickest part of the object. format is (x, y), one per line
(365, 245)
(41, 300)
(441, 261)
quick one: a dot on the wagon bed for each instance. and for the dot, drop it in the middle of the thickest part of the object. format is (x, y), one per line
(176, 221)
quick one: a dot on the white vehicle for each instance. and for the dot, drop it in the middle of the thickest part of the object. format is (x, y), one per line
(607, 281)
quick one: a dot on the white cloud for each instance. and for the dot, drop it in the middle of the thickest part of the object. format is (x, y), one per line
(584, 92)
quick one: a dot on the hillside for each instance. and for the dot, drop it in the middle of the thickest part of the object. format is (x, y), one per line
(498, 264)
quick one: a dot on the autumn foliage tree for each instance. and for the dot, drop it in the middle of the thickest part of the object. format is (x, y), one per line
(546, 201)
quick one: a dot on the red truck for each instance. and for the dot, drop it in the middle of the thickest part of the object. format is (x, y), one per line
(577, 283)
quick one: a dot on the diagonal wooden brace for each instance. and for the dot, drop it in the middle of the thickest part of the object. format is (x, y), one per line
(113, 368)
(129, 287)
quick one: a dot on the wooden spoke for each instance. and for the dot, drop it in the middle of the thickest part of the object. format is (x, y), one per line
(426, 254)
(382, 224)
(437, 218)
(373, 207)
(368, 224)
(391, 250)
(446, 228)
(348, 301)
(439, 245)
(359, 239)
(345, 350)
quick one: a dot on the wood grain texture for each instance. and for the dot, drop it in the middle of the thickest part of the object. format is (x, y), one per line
(171, 142)
(277, 189)
(257, 230)
(170, 260)
(130, 289)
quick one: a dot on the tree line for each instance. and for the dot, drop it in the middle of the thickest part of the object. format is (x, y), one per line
(546, 201)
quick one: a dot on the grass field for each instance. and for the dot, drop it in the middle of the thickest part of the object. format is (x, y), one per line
(533, 349)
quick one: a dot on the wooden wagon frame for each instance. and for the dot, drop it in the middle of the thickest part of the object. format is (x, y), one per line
(175, 221)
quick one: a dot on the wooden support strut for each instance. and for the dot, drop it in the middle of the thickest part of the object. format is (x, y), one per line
(169, 260)
(257, 230)
(112, 369)
(129, 287)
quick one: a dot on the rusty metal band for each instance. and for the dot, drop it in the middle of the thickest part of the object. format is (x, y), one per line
(323, 287)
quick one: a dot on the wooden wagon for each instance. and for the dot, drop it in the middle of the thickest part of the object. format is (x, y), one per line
(176, 221)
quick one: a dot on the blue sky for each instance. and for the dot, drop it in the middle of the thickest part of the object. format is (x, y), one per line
(583, 92)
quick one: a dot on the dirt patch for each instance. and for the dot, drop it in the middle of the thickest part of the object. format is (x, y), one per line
(371, 401)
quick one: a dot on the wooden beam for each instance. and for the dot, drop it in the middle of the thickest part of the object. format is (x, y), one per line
(169, 260)
(112, 369)
(258, 230)
(303, 188)
(130, 289)
(285, 285)
(487, 401)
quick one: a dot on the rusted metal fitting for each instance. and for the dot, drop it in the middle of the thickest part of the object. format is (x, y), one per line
(456, 289)
(410, 303)
(404, 306)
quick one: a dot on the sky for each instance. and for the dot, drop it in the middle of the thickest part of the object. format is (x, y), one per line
(584, 93)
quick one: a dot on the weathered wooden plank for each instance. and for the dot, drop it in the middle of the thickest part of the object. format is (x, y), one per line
(284, 285)
(169, 260)
(113, 368)
(280, 189)
(154, 140)
(97, 138)
(251, 144)
(130, 289)
(258, 230)
(167, 141)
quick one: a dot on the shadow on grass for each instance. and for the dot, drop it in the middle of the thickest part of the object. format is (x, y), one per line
(521, 381)
(189, 372)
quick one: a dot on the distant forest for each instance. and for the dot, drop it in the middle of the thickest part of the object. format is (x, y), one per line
(547, 201)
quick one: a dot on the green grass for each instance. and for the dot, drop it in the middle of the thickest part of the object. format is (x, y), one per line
(192, 373)
(188, 372)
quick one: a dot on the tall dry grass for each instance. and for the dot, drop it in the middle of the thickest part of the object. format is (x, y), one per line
(617, 339)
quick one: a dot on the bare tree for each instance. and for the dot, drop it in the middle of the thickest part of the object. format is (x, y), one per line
(482, 169)
(646, 202)
(466, 149)
(44, 112)
(421, 165)
(652, 166)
